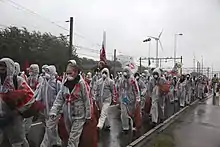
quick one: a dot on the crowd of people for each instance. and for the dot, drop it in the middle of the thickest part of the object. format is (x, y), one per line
(75, 105)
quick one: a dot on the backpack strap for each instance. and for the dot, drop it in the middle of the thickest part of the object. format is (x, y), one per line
(15, 81)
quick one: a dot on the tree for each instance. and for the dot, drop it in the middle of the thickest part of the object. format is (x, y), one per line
(34, 47)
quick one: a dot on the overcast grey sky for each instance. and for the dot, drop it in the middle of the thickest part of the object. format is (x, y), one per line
(127, 23)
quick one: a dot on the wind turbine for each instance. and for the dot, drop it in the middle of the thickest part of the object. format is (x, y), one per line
(157, 39)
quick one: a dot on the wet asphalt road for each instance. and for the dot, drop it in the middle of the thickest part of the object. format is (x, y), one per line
(199, 127)
(112, 138)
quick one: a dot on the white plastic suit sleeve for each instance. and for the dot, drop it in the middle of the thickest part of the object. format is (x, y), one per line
(136, 91)
(58, 103)
(113, 90)
(85, 95)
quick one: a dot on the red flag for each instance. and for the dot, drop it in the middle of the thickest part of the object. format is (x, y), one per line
(102, 51)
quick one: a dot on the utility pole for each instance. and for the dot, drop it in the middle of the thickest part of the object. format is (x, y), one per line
(198, 67)
(149, 49)
(208, 72)
(71, 38)
(140, 64)
(174, 62)
(175, 46)
(160, 63)
(212, 71)
(115, 62)
(194, 63)
(181, 61)
(202, 65)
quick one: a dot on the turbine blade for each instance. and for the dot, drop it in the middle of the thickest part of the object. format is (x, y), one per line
(160, 34)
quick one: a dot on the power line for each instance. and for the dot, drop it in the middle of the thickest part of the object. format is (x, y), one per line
(90, 49)
(34, 13)
(21, 7)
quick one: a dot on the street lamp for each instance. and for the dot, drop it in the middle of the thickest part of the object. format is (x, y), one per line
(157, 39)
(175, 45)
(148, 40)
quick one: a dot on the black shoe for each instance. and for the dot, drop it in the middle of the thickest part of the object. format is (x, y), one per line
(107, 128)
(153, 124)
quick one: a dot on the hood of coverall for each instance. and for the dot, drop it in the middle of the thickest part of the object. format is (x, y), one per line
(34, 68)
(147, 73)
(73, 63)
(51, 70)
(89, 76)
(127, 72)
(17, 68)
(10, 66)
(157, 71)
(105, 70)
(44, 67)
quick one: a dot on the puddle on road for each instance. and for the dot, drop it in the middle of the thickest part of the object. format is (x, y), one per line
(200, 112)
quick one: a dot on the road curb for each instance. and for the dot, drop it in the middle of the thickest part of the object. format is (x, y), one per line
(141, 141)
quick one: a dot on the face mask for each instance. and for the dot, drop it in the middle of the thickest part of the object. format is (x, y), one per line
(155, 76)
(47, 76)
(137, 78)
(104, 76)
(125, 74)
(31, 73)
(70, 78)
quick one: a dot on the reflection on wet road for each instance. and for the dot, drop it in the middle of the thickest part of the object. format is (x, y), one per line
(115, 138)
(200, 127)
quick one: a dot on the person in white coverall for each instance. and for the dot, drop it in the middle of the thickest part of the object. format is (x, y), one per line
(142, 88)
(172, 87)
(181, 92)
(73, 99)
(18, 71)
(158, 99)
(34, 80)
(129, 96)
(47, 93)
(14, 129)
(43, 69)
(106, 93)
(188, 89)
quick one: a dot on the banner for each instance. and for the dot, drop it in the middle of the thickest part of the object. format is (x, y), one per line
(127, 61)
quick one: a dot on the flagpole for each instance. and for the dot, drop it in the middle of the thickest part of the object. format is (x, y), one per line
(104, 39)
